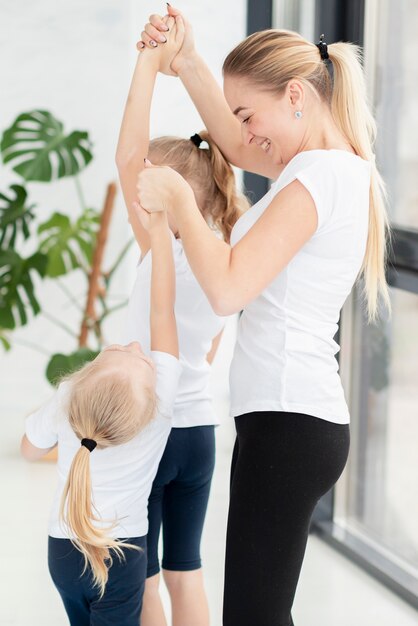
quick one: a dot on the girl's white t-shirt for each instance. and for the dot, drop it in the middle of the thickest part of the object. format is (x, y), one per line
(197, 326)
(121, 476)
(284, 358)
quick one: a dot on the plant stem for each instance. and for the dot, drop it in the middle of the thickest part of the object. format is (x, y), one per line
(118, 261)
(95, 274)
(69, 294)
(29, 344)
(57, 322)
(113, 309)
(80, 192)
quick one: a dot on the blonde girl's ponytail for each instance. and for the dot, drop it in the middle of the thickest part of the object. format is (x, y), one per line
(223, 204)
(103, 410)
(209, 173)
(94, 544)
(269, 60)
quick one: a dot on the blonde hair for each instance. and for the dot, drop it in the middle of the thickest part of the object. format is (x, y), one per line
(207, 170)
(103, 408)
(269, 60)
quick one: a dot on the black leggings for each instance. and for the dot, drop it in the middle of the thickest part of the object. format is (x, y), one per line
(282, 464)
(179, 498)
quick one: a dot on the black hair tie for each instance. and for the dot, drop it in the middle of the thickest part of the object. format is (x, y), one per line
(90, 444)
(196, 139)
(323, 51)
(323, 48)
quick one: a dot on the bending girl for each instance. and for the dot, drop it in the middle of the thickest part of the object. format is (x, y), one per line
(179, 496)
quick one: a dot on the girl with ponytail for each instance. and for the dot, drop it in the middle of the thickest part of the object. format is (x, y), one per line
(180, 492)
(111, 421)
(296, 112)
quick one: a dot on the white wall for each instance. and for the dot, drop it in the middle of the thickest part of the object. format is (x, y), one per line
(75, 58)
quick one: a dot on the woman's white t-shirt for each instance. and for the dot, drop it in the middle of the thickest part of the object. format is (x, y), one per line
(284, 358)
(197, 326)
(122, 475)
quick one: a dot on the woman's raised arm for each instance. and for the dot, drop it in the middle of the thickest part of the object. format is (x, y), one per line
(209, 99)
(232, 276)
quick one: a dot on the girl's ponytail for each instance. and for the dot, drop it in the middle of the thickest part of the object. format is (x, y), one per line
(224, 205)
(209, 173)
(77, 514)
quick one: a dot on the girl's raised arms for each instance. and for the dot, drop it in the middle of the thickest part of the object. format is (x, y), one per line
(133, 141)
(163, 282)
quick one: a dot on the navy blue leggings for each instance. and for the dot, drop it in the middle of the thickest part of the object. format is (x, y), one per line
(282, 464)
(179, 498)
(122, 601)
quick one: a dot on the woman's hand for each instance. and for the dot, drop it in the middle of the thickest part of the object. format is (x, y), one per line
(160, 189)
(157, 28)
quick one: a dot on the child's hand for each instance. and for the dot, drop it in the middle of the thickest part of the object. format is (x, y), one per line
(181, 48)
(160, 188)
(152, 222)
(166, 51)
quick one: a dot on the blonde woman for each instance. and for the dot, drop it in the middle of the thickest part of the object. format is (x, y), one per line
(179, 496)
(111, 421)
(296, 112)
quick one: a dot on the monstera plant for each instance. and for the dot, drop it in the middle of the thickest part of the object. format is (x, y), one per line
(37, 149)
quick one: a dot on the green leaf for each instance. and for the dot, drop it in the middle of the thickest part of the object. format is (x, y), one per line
(17, 292)
(4, 340)
(68, 246)
(61, 365)
(38, 149)
(15, 216)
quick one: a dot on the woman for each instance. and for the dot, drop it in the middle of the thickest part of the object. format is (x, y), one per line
(293, 260)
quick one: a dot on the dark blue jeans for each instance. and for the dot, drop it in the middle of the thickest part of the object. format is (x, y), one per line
(122, 600)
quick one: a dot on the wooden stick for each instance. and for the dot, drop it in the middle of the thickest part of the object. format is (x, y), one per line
(89, 317)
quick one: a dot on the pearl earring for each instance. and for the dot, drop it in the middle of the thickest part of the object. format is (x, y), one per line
(298, 114)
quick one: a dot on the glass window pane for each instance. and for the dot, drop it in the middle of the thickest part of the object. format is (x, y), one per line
(298, 15)
(383, 480)
(396, 101)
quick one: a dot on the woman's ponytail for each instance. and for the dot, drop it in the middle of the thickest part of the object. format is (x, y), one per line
(353, 116)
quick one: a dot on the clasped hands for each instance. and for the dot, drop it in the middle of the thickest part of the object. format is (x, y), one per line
(160, 188)
(172, 37)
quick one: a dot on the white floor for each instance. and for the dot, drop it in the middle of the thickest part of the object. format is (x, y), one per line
(332, 591)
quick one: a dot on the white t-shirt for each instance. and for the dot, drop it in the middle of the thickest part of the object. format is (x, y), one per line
(284, 358)
(197, 326)
(121, 475)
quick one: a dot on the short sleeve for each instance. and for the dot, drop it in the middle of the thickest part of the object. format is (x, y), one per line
(319, 180)
(168, 370)
(41, 427)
